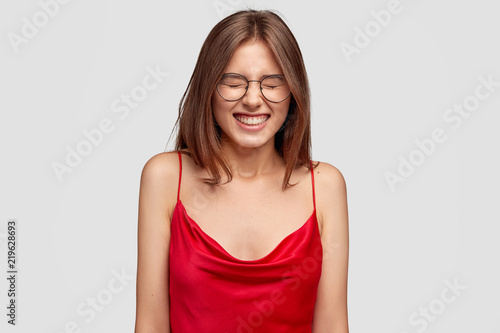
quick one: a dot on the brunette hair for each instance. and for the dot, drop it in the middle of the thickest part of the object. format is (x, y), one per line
(197, 128)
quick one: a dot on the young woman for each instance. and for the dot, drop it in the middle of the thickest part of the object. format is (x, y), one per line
(239, 231)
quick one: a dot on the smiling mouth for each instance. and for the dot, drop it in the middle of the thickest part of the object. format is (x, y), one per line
(252, 120)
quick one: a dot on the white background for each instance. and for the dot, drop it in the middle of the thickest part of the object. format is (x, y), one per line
(75, 234)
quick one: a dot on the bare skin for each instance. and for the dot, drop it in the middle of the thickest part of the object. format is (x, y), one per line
(248, 216)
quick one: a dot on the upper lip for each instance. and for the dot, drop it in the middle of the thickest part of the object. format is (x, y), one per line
(250, 114)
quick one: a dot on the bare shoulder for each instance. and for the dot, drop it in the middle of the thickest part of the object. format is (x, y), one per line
(162, 167)
(331, 194)
(161, 164)
(159, 178)
(328, 178)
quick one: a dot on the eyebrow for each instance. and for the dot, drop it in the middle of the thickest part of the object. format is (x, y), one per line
(264, 75)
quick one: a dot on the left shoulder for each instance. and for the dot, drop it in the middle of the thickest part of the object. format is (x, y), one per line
(328, 178)
(331, 193)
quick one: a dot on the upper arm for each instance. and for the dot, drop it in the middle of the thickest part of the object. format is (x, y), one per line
(157, 195)
(330, 313)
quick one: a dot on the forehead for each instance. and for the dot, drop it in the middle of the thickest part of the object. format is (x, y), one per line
(253, 59)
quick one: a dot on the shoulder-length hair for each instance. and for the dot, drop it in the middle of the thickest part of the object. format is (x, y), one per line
(197, 128)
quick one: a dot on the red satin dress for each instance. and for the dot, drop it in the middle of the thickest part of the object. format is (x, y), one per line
(213, 292)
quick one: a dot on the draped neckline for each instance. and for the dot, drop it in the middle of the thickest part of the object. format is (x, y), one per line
(193, 223)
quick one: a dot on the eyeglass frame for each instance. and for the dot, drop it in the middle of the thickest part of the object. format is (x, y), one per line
(248, 86)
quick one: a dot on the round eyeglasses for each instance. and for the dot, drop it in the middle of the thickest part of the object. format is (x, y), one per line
(233, 86)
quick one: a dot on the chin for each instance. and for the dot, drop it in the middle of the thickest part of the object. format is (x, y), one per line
(251, 142)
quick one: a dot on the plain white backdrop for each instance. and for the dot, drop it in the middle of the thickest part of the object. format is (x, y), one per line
(405, 102)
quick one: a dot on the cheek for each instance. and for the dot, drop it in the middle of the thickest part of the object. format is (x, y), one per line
(283, 110)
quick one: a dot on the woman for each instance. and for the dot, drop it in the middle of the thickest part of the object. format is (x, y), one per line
(222, 242)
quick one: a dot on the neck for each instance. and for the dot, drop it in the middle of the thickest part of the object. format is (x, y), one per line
(252, 162)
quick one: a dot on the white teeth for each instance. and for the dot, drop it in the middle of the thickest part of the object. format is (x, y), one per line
(252, 120)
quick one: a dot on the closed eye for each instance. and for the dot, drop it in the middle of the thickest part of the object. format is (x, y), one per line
(234, 85)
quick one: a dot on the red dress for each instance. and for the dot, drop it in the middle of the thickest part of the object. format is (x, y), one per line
(214, 292)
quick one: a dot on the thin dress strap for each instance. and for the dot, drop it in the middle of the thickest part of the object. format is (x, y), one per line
(312, 177)
(180, 175)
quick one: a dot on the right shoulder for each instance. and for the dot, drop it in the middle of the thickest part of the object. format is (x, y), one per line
(161, 166)
(160, 177)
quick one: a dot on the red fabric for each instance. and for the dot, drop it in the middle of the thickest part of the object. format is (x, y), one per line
(214, 292)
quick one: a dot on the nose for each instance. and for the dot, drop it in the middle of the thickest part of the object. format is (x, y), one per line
(253, 96)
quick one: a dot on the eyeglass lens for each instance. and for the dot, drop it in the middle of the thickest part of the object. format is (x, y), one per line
(232, 87)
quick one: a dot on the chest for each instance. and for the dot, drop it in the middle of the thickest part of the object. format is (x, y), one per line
(248, 221)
